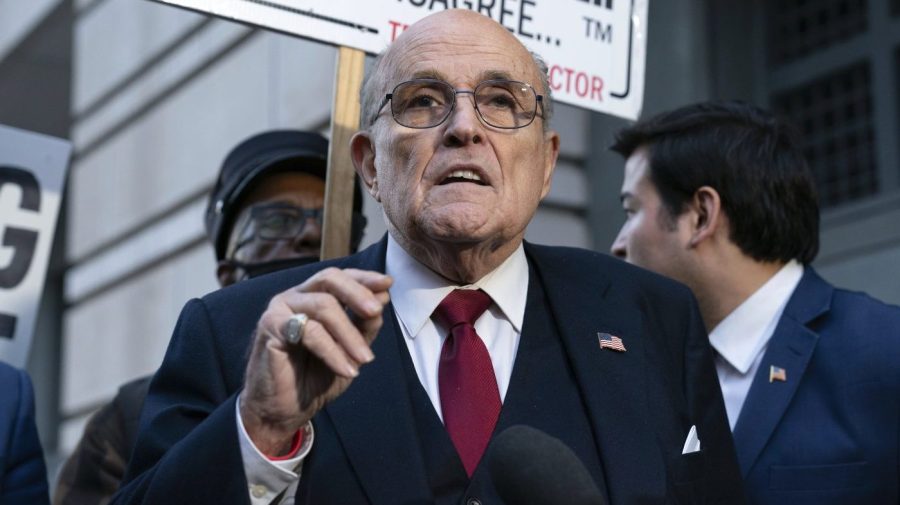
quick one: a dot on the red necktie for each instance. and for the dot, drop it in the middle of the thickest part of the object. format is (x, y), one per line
(470, 399)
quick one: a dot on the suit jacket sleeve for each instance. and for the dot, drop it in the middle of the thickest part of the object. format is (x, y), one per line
(23, 476)
(187, 449)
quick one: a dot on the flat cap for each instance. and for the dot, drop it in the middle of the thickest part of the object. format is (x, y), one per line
(256, 156)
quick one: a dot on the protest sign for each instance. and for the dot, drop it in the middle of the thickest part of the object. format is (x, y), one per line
(32, 172)
(594, 49)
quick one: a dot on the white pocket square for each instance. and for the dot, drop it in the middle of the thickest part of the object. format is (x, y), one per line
(692, 444)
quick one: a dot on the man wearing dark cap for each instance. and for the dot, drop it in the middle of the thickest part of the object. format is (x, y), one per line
(264, 214)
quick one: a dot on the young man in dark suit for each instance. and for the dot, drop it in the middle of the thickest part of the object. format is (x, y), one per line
(718, 196)
(276, 390)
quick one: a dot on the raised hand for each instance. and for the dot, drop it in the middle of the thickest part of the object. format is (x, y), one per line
(287, 384)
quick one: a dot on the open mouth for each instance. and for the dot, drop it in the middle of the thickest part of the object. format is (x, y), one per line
(469, 176)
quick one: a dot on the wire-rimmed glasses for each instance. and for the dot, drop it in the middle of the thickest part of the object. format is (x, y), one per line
(500, 103)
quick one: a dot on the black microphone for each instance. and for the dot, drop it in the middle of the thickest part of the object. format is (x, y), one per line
(529, 467)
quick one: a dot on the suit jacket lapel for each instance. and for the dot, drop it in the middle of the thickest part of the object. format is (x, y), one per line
(612, 383)
(380, 441)
(790, 348)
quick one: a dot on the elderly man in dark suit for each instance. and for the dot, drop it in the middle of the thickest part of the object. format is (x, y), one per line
(23, 475)
(276, 390)
(718, 196)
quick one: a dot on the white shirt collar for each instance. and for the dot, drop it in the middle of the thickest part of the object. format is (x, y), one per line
(744, 333)
(417, 290)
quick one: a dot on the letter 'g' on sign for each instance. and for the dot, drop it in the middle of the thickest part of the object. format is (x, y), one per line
(21, 241)
(33, 170)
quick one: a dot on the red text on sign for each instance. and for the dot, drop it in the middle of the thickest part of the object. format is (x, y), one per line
(571, 81)
(397, 28)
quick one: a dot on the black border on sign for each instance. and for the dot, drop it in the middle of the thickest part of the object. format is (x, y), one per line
(271, 29)
(311, 14)
(630, 42)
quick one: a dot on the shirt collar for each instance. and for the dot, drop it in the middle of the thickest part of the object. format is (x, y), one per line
(744, 333)
(417, 290)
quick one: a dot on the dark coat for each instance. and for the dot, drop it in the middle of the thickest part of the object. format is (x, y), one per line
(95, 468)
(23, 475)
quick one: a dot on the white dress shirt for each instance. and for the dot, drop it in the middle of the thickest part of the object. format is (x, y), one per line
(741, 339)
(267, 479)
(417, 291)
(415, 294)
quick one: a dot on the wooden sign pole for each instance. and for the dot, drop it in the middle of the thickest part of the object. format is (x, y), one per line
(348, 77)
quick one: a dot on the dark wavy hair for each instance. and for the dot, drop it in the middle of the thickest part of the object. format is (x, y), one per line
(750, 157)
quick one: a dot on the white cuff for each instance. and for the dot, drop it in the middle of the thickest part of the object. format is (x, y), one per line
(267, 479)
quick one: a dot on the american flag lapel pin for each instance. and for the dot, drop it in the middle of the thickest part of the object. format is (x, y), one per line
(776, 373)
(610, 342)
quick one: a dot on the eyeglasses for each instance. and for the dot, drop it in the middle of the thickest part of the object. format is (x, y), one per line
(277, 221)
(426, 103)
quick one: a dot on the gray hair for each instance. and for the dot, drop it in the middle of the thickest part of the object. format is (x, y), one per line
(374, 88)
(544, 73)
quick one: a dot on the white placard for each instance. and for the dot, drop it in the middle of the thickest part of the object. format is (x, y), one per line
(32, 172)
(595, 49)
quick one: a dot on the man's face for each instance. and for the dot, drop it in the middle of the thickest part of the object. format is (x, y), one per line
(421, 176)
(261, 226)
(650, 237)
